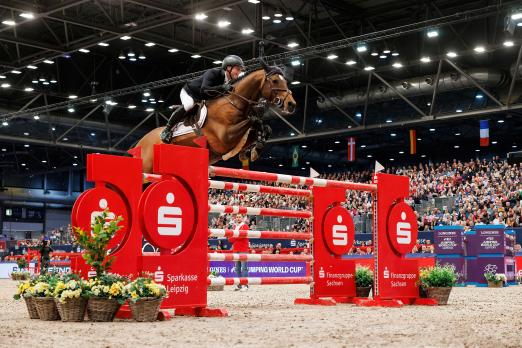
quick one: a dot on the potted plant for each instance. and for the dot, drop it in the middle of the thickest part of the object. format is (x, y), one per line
(25, 290)
(95, 241)
(145, 298)
(215, 275)
(495, 280)
(363, 281)
(43, 293)
(70, 295)
(438, 282)
(106, 295)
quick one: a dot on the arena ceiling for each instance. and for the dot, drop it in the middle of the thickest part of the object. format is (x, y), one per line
(69, 70)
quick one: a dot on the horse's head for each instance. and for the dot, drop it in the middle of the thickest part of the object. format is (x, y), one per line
(275, 89)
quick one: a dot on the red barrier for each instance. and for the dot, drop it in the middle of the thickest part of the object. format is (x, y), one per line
(172, 214)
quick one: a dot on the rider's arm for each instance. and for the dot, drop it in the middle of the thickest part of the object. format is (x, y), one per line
(212, 84)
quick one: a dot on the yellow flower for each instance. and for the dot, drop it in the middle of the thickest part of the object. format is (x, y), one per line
(134, 295)
(115, 289)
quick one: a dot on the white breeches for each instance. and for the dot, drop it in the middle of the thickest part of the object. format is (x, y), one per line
(186, 100)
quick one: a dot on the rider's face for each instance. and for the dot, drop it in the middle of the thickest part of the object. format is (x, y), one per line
(235, 71)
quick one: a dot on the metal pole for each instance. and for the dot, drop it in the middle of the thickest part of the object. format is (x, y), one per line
(367, 98)
(436, 88)
(133, 129)
(285, 121)
(335, 105)
(515, 74)
(399, 94)
(79, 121)
(472, 80)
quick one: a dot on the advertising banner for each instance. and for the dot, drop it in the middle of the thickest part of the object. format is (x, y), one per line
(449, 240)
(227, 269)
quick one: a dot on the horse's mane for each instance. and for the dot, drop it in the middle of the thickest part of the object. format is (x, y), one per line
(271, 70)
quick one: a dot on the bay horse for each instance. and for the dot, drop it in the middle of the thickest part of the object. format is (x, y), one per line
(228, 122)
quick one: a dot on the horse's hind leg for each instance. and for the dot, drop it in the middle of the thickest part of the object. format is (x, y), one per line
(147, 148)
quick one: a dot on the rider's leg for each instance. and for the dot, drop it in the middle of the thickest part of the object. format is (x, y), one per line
(177, 116)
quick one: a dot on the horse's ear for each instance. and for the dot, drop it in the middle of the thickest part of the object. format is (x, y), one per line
(265, 66)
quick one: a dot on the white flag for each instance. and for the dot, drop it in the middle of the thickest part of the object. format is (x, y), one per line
(313, 173)
(378, 167)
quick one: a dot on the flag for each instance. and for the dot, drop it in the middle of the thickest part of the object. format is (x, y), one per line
(313, 173)
(484, 133)
(378, 167)
(295, 157)
(413, 141)
(351, 149)
(245, 164)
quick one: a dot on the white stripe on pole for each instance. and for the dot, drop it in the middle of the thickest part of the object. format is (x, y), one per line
(285, 179)
(216, 257)
(254, 281)
(253, 211)
(320, 182)
(217, 281)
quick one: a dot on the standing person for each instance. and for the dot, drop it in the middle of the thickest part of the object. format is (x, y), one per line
(240, 246)
(45, 256)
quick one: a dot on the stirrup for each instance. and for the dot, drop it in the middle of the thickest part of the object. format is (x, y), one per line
(166, 136)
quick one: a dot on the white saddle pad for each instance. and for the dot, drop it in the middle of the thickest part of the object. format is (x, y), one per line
(181, 129)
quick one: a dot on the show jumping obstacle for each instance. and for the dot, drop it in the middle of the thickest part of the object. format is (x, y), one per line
(172, 215)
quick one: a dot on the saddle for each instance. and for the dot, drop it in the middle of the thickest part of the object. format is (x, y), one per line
(192, 116)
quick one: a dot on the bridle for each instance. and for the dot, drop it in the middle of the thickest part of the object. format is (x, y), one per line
(272, 98)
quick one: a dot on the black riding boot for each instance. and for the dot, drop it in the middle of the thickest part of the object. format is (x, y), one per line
(176, 117)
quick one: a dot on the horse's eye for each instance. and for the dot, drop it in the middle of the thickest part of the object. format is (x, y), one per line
(276, 81)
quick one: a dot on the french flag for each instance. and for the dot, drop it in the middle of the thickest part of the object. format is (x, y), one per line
(351, 149)
(484, 133)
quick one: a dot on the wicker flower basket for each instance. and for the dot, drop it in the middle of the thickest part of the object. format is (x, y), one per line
(31, 307)
(362, 291)
(102, 309)
(440, 294)
(46, 308)
(495, 284)
(145, 309)
(72, 309)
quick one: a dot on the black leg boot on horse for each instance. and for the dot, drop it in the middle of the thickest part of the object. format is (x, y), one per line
(176, 117)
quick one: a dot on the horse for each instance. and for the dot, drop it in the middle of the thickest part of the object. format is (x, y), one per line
(228, 124)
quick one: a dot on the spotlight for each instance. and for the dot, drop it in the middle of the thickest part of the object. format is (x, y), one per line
(432, 33)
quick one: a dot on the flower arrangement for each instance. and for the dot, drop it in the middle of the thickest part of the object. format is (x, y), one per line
(25, 289)
(142, 288)
(437, 277)
(111, 286)
(363, 277)
(95, 242)
(70, 286)
(20, 275)
(495, 278)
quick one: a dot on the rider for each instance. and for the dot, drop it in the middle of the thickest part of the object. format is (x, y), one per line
(211, 84)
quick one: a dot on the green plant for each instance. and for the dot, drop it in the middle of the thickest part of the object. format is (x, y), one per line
(214, 274)
(437, 277)
(496, 278)
(363, 277)
(22, 263)
(96, 241)
(144, 287)
(110, 286)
